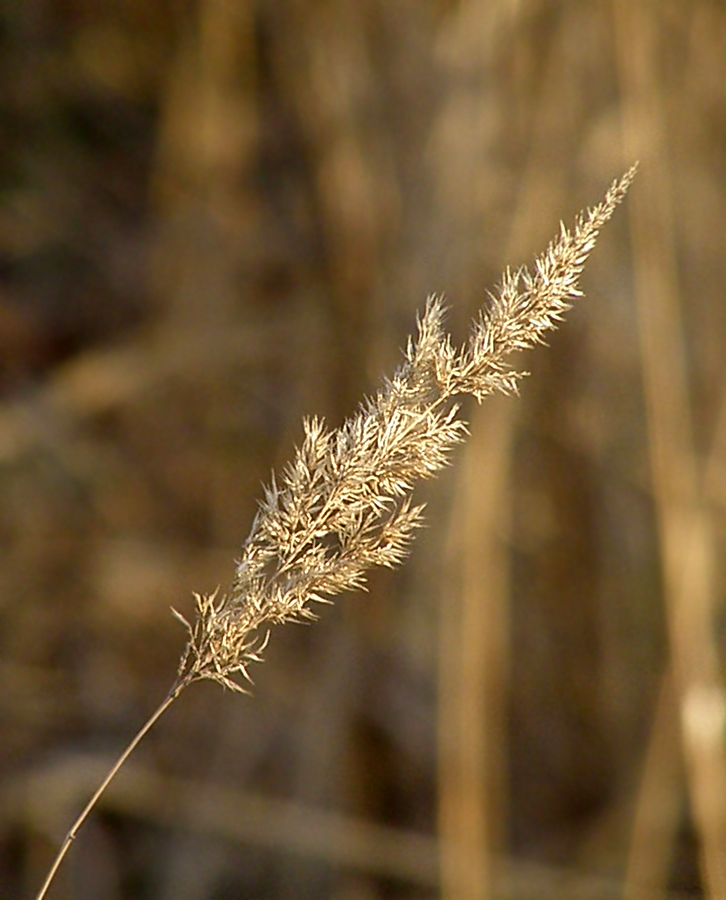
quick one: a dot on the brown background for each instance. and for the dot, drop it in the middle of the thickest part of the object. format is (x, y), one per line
(219, 216)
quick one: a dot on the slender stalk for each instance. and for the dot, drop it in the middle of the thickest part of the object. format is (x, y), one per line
(176, 689)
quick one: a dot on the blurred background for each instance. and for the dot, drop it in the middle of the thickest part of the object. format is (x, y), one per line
(219, 216)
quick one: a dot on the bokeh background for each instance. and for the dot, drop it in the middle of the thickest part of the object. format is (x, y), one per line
(218, 216)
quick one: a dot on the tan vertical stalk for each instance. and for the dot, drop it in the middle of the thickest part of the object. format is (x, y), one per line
(685, 529)
(474, 648)
(208, 141)
(206, 211)
(326, 61)
(658, 804)
(474, 595)
(474, 663)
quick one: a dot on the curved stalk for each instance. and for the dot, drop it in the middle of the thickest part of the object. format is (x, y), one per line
(176, 689)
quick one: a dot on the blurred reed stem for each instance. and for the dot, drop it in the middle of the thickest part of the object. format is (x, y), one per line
(685, 528)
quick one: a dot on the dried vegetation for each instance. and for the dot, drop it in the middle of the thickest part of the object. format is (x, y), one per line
(219, 217)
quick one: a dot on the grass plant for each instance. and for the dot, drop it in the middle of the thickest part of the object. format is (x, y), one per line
(344, 503)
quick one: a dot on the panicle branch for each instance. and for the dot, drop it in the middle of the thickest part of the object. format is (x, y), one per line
(343, 504)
